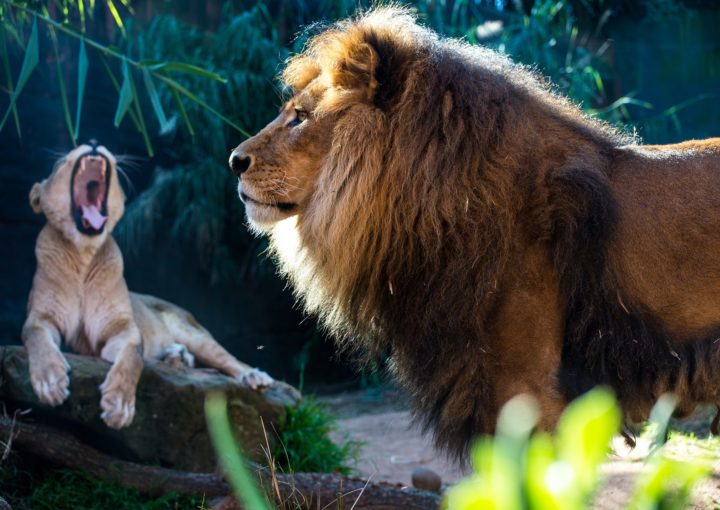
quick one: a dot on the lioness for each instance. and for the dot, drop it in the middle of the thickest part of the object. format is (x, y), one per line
(79, 295)
(435, 201)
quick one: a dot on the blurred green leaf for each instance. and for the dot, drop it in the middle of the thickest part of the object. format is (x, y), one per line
(126, 95)
(229, 453)
(8, 74)
(667, 485)
(584, 433)
(116, 16)
(29, 62)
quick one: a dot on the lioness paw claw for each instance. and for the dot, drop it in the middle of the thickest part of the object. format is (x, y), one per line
(51, 383)
(254, 379)
(118, 410)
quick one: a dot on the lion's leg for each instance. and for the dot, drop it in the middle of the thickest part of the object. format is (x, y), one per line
(211, 354)
(48, 367)
(118, 389)
(527, 342)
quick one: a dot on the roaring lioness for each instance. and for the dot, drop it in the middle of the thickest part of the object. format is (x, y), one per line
(79, 295)
(435, 201)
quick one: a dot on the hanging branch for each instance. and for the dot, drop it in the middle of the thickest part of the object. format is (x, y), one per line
(128, 100)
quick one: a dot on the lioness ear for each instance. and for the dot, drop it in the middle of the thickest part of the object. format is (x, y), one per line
(35, 193)
(356, 70)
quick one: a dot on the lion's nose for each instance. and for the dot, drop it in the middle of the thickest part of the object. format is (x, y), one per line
(239, 163)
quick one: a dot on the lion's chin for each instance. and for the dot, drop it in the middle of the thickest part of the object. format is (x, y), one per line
(263, 217)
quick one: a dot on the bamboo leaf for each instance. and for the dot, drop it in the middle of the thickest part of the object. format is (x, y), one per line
(82, 76)
(126, 95)
(29, 62)
(188, 68)
(8, 74)
(116, 86)
(155, 101)
(176, 86)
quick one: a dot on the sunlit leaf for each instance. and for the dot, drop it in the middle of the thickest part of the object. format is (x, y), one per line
(82, 76)
(29, 62)
(116, 16)
(584, 433)
(126, 95)
(667, 484)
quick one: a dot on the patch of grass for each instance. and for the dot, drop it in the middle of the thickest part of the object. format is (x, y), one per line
(28, 486)
(305, 444)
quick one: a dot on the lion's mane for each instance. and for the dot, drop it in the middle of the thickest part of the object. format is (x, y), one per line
(462, 157)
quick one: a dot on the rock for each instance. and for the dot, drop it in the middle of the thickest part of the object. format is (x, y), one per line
(169, 427)
(426, 479)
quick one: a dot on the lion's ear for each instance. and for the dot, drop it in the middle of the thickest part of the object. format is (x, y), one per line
(35, 193)
(356, 69)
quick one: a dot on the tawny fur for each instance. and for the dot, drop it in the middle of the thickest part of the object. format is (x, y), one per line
(451, 211)
(79, 295)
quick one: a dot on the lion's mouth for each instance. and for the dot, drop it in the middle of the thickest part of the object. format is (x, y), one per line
(283, 206)
(88, 187)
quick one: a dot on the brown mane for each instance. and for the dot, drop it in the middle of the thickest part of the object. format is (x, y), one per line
(437, 193)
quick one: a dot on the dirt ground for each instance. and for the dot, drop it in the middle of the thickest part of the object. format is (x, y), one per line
(393, 447)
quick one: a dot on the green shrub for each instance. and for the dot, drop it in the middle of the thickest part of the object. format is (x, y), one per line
(305, 444)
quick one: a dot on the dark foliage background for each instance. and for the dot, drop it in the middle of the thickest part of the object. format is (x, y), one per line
(649, 65)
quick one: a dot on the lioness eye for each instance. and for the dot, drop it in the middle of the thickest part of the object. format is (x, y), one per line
(300, 117)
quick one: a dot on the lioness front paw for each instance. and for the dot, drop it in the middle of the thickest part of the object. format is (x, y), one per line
(254, 378)
(117, 404)
(50, 380)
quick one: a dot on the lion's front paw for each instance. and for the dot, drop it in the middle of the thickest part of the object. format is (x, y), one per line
(117, 404)
(254, 378)
(50, 380)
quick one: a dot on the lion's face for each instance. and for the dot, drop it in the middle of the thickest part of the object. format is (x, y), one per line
(82, 197)
(278, 167)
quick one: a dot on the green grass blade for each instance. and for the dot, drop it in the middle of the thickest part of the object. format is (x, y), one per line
(176, 86)
(61, 84)
(155, 101)
(29, 62)
(126, 96)
(229, 453)
(138, 111)
(190, 69)
(183, 112)
(82, 76)
(8, 75)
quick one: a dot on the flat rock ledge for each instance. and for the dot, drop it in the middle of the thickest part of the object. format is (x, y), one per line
(169, 428)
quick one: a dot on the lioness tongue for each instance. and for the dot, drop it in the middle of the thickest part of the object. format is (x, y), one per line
(93, 216)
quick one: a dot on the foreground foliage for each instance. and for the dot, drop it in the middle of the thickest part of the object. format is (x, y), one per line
(517, 470)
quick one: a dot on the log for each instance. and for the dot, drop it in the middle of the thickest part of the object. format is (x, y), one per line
(304, 490)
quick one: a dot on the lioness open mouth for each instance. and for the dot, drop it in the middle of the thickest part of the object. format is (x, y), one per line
(88, 188)
(283, 206)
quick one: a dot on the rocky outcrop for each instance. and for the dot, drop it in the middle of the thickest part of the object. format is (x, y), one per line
(169, 427)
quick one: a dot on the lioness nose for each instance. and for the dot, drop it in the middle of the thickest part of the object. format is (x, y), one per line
(239, 163)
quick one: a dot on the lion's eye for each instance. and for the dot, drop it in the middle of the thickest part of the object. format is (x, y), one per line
(300, 117)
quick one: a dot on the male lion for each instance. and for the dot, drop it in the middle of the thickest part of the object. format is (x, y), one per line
(79, 295)
(434, 201)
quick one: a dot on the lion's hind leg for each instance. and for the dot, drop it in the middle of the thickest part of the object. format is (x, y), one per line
(177, 355)
(208, 352)
(48, 367)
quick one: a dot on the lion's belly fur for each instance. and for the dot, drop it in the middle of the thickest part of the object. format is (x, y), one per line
(85, 296)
